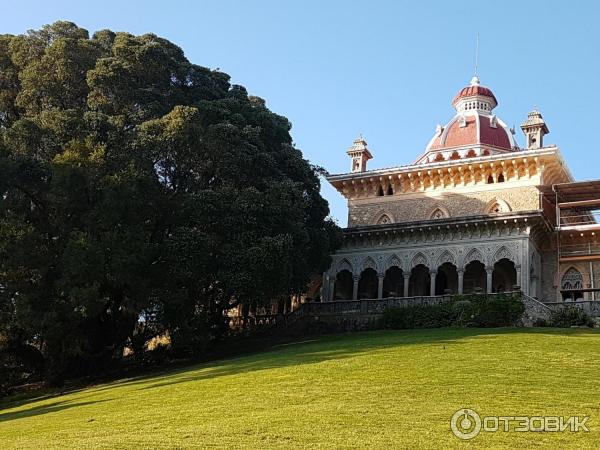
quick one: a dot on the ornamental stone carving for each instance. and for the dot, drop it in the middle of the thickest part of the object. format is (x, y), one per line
(503, 253)
(369, 211)
(393, 261)
(474, 255)
(383, 217)
(344, 264)
(446, 257)
(439, 212)
(369, 263)
(419, 258)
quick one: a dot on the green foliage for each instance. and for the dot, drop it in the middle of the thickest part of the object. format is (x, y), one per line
(417, 316)
(477, 310)
(570, 316)
(138, 187)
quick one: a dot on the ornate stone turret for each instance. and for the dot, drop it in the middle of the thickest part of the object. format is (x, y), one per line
(534, 129)
(360, 154)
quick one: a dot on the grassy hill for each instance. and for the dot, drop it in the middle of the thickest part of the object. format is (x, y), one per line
(372, 389)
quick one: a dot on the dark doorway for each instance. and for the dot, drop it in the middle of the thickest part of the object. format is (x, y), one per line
(419, 282)
(504, 276)
(343, 286)
(367, 285)
(446, 279)
(475, 277)
(393, 283)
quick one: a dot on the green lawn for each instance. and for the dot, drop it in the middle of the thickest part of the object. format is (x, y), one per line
(373, 389)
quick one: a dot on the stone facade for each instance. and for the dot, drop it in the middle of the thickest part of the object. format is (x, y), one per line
(420, 207)
(432, 248)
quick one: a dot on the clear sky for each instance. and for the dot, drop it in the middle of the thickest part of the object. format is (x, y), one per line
(388, 69)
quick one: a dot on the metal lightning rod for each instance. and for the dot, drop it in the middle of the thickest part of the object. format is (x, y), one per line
(477, 54)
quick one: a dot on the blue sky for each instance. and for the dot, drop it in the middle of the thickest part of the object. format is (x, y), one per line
(388, 69)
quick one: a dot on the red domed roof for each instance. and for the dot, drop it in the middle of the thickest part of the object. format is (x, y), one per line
(471, 91)
(477, 130)
(498, 137)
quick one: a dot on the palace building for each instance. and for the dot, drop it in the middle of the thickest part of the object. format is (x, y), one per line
(475, 212)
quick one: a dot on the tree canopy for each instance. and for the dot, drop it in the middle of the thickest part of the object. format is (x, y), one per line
(141, 193)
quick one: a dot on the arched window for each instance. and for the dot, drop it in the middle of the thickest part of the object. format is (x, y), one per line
(384, 220)
(380, 191)
(390, 190)
(501, 178)
(490, 180)
(496, 206)
(571, 285)
(438, 213)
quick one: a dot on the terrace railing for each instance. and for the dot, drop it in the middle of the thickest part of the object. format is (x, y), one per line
(370, 306)
(592, 307)
(534, 309)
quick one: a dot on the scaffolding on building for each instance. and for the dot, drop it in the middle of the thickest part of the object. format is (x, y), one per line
(577, 227)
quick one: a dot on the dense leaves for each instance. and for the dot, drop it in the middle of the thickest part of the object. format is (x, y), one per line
(570, 316)
(474, 310)
(141, 194)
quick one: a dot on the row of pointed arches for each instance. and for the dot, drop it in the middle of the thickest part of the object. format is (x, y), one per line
(494, 206)
(426, 279)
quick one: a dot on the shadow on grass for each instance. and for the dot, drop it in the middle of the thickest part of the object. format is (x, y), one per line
(316, 350)
(45, 409)
(335, 347)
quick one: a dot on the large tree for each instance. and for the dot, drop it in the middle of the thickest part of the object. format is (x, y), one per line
(141, 193)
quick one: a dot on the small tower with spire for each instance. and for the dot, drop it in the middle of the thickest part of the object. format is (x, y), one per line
(534, 129)
(360, 154)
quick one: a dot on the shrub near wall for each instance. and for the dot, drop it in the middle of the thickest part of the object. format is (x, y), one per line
(570, 316)
(480, 310)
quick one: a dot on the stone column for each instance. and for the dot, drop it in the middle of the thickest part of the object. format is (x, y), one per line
(406, 280)
(432, 274)
(331, 289)
(355, 287)
(326, 287)
(533, 286)
(489, 271)
(461, 279)
(518, 270)
(380, 277)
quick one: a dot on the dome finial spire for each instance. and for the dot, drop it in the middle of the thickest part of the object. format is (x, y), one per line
(475, 79)
(476, 54)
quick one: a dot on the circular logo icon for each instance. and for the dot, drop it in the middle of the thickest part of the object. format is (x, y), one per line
(465, 424)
